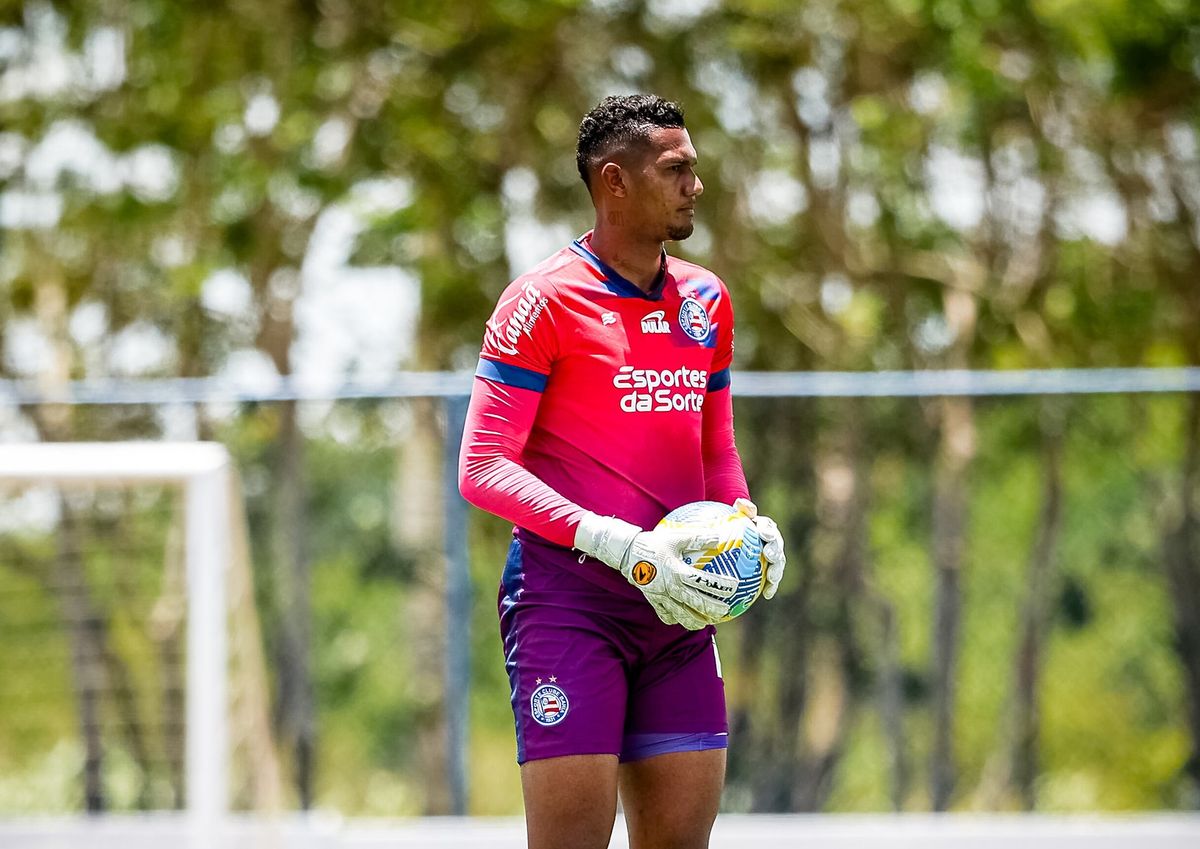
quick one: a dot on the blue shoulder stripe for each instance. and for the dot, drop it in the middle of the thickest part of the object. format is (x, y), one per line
(719, 380)
(707, 288)
(511, 375)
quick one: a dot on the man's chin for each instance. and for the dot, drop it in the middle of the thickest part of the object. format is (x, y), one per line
(681, 232)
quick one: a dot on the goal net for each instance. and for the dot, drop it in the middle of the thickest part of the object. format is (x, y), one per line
(132, 675)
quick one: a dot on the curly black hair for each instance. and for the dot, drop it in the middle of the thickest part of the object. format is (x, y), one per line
(621, 121)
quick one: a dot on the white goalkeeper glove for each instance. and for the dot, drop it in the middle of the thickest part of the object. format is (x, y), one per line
(653, 562)
(772, 542)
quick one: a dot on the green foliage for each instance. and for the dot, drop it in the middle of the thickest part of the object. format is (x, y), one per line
(890, 184)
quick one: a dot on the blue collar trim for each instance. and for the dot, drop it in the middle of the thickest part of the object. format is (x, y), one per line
(615, 282)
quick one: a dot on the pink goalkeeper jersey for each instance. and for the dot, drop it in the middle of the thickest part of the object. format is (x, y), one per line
(592, 394)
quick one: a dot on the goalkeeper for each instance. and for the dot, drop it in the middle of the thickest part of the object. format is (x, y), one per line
(602, 402)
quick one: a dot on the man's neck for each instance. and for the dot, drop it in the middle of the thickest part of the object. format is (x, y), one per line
(637, 260)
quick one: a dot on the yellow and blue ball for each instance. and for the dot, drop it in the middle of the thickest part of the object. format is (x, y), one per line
(738, 553)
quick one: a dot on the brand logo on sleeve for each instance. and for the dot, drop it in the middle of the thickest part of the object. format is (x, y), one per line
(693, 318)
(655, 322)
(515, 317)
(608, 318)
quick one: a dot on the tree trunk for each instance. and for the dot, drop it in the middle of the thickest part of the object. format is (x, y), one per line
(766, 714)
(417, 528)
(417, 502)
(797, 750)
(279, 286)
(1014, 764)
(290, 556)
(167, 631)
(85, 627)
(81, 620)
(258, 777)
(891, 704)
(1036, 611)
(1182, 559)
(956, 446)
(842, 511)
(1181, 536)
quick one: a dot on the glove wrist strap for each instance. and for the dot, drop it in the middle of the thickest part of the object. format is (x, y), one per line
(606, 538)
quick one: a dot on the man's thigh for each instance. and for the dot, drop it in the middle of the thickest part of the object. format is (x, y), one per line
(676, 698)
(570, 801)
(568, 682)
(670, 801)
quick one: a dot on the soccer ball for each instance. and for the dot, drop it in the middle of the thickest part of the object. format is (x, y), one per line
(738, 554)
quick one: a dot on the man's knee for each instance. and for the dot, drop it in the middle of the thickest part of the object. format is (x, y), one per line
(570, 801)
(671, 801)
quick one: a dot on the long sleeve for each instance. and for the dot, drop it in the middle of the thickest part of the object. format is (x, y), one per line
(724, 478)
(490, 474)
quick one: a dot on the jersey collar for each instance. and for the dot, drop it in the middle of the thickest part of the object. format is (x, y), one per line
(613, 280)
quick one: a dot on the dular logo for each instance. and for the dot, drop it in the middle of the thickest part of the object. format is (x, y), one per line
(655, 322)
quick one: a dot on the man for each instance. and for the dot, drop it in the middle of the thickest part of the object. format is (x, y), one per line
(601, 403)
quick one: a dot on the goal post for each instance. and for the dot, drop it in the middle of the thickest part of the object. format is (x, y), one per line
(204, 472)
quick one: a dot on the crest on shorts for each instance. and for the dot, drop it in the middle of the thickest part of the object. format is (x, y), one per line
(549, 705)
(693, 318)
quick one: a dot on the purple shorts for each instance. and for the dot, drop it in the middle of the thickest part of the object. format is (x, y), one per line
(595, 672)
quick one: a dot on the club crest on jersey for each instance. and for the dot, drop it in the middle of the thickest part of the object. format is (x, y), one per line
(655, 322)
(549, 705)
(693, 318)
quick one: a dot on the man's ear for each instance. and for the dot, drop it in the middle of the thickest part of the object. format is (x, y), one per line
(612, 179)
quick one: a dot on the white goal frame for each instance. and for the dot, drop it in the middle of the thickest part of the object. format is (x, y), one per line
(203, 471)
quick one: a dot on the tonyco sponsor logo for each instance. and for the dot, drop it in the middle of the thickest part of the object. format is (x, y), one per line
(661, 391)
(505, 333)
(655, 322)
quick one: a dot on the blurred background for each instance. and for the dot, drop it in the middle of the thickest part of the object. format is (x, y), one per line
(993, 603)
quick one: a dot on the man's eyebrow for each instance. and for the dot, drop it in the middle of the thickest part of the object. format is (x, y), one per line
(677, 159)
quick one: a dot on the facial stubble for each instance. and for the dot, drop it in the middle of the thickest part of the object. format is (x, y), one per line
(677, 233)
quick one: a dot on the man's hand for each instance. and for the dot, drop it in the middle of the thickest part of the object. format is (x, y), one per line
(653, 562)
(772, 541)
